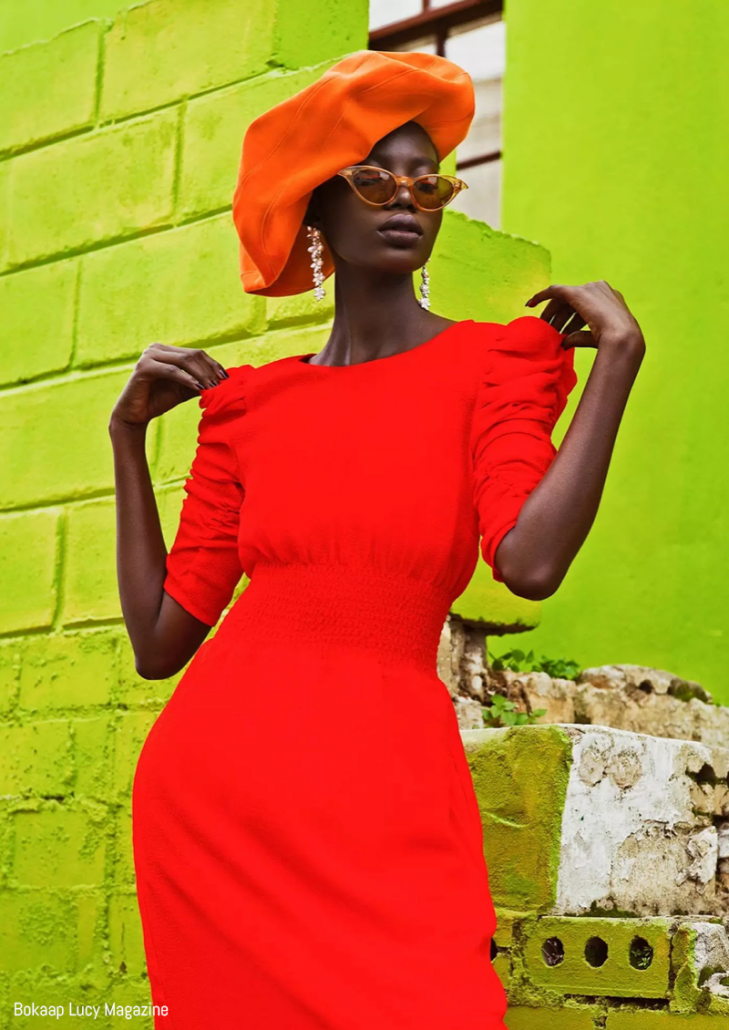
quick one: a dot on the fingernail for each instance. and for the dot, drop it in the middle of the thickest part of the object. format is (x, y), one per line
(199, 385)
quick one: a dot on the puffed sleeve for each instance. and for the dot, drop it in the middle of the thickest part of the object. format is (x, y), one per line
(522, 393)
(203, 567)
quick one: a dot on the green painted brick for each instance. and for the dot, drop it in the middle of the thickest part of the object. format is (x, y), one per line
(521, 822)
(39, 464)
(60, 847)
(180, 287)
(37, 927)
(67, 669)
(11, 652)
(645, 1019)
(36, 330)
(93, 188)
(36, 757)
(213, 136)
(132, 730)
(92, 741)
(36, 102)
(126, 939)
(307, 34)
(615, 977)
(90, 587)
(123, 868)
(28, 546)
(523, 1018)
(91, 928)
(161, 51)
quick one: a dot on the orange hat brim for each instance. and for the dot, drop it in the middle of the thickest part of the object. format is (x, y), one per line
(300, 143)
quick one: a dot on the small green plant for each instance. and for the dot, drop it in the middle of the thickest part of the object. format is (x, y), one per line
(518, 661)
(501, 712)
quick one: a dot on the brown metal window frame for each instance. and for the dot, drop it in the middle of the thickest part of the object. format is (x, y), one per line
(438, 22)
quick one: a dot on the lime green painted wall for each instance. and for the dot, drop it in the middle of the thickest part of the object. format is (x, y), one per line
(616, 150)
(23, 23)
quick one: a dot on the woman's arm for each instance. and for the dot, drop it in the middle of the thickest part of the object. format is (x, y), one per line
(164, 636)
(554, 521)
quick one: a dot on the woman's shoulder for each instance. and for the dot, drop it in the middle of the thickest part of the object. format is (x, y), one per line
(229, 396)
(524, 333)
(524, 359)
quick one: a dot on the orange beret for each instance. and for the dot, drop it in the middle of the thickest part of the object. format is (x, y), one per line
(332, 123)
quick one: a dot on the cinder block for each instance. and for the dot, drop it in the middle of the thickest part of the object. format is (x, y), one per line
(649, 801)
(521, 819)
(183, 50)
(90, 934)
(652, 848)
(93, 188)
(36, 330)
(92, 741)
(132, 730)
(126, 938)
(181, 287)
(90, 578)
(36, 757)
(27, 557)
(37, 927)
(213, 135)
(523, 1018)
(60, 846)
(67, 669)
(38, 463)
(49, 88)
(618, 958)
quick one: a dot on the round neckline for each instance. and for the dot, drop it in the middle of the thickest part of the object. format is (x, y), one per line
(302, 359)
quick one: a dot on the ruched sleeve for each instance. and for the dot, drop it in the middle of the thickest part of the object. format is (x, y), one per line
(203, 567)
(524, 390)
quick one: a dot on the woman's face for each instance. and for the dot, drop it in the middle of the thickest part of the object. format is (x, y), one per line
(350, 225)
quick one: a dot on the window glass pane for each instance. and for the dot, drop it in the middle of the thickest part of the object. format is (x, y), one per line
(482, 199)
(384, 12)
(480, 49)
(484, 134)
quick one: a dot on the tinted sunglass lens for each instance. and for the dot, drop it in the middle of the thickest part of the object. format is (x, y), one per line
(434, 191)
(377, 187)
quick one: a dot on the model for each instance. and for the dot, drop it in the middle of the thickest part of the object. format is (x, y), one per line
(307, 840)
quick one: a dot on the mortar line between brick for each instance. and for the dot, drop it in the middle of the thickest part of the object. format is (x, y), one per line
(100, 65)
(61, 557)
(76, 307)
(179, 144)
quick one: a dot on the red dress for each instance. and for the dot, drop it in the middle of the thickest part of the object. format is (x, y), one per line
(307, 839)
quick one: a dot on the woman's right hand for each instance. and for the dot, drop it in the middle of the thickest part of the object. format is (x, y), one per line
(164, 377)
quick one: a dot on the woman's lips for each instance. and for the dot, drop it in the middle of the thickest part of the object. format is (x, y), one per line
(399, 235)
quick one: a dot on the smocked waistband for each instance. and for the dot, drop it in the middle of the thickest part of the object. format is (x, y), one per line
(394, 617)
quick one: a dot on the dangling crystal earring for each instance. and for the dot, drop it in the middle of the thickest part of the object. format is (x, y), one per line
(316, 262)
(424, 288)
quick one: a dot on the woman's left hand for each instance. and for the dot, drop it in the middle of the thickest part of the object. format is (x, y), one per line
(595, 305)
